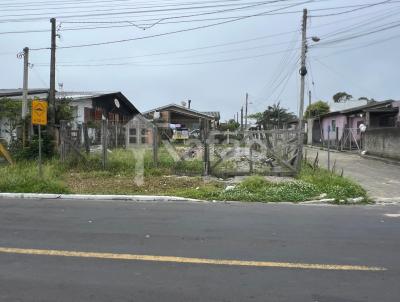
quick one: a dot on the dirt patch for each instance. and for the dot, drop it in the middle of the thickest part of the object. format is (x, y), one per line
(119, 184)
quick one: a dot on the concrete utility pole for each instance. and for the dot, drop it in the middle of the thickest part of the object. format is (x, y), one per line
(237, 117)
(25, 94)
(245, 114)
(309, 97)
(52, 92)
(303, 73)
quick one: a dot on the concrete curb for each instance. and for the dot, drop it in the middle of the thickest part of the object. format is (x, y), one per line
(155, 198)
(382, 159)
(138, 198)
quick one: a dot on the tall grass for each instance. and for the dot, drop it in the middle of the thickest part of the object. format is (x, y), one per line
(24, 178)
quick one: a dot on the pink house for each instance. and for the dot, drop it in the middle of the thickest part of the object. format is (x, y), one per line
(342, 127)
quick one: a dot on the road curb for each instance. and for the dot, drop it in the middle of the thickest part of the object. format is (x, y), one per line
(143, 198)
(382, 159)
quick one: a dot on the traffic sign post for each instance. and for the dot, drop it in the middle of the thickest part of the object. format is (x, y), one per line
(39, 118)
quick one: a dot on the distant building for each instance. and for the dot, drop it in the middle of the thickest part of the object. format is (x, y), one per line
(88, 107)
(342, 128)
(177, 122)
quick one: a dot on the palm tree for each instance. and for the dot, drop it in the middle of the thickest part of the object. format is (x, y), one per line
(276, 116)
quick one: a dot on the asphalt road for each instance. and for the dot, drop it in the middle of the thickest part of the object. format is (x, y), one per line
(339, 235)
(380, 179)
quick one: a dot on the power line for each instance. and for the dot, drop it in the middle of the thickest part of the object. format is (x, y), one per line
(352, 10)
(195, 49)
(172, 64)
(168, 33)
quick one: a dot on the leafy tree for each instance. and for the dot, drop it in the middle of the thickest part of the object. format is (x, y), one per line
(10, 111)
(63, 111)
(364, 98)
(316, 109)
(341, 97)
(274, 117)
(231, 125)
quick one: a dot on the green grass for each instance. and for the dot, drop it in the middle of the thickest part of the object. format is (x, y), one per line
(24, 177)
(309, 185)
(87, 176)
(336, 187)
(123, 162)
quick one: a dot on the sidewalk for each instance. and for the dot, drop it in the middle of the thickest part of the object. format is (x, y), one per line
(380, 179)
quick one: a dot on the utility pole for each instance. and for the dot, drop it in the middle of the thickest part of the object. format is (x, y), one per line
(241, 118)
(25, 94)
(303, 73)
(309, 98)
(245, 114)
(237, 117)
(52, 92)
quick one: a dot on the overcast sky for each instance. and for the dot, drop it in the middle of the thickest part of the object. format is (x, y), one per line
(261, 55)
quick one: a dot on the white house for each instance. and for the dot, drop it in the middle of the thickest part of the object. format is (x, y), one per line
(88, 107)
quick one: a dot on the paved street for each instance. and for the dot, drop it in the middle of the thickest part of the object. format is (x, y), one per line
(119, 249)
(380, 179)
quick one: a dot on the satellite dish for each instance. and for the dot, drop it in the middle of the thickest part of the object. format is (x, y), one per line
(156, 115)
(363, 128)
(117, 104)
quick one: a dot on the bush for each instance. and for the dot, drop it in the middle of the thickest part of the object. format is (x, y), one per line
(335, 186)
(31, 150)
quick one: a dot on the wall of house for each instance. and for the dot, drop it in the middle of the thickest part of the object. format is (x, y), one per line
(397, 105)
(341, 122)
(80, 112)
(384, 142)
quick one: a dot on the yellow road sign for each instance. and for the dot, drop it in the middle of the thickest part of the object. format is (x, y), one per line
(39, 112)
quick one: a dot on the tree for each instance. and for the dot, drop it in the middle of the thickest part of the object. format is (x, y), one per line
(364, 98)
(316, 109)
(231, 125)
(341, 97)
(258, 116)
(10, 111)
(274, 117)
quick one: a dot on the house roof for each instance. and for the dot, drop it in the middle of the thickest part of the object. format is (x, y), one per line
(215, 114)
(75, 95)
(18, 92)
(359, 109)
(180, 109)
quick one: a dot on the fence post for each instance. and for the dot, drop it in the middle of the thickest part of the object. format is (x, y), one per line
(63, 134)
(86, 137)
(329, 149)
(251, 159)
(206, 155)
(116, 135)
(155, 145)
(104, 142)
(79, 138)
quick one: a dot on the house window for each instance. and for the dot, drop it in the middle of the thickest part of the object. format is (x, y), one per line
(333, 127)
(133, 136)
(143, 136)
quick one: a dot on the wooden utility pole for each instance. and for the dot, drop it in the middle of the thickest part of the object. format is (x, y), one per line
(245, 114)
(25, 94)
(303, 73)
(52, 92)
